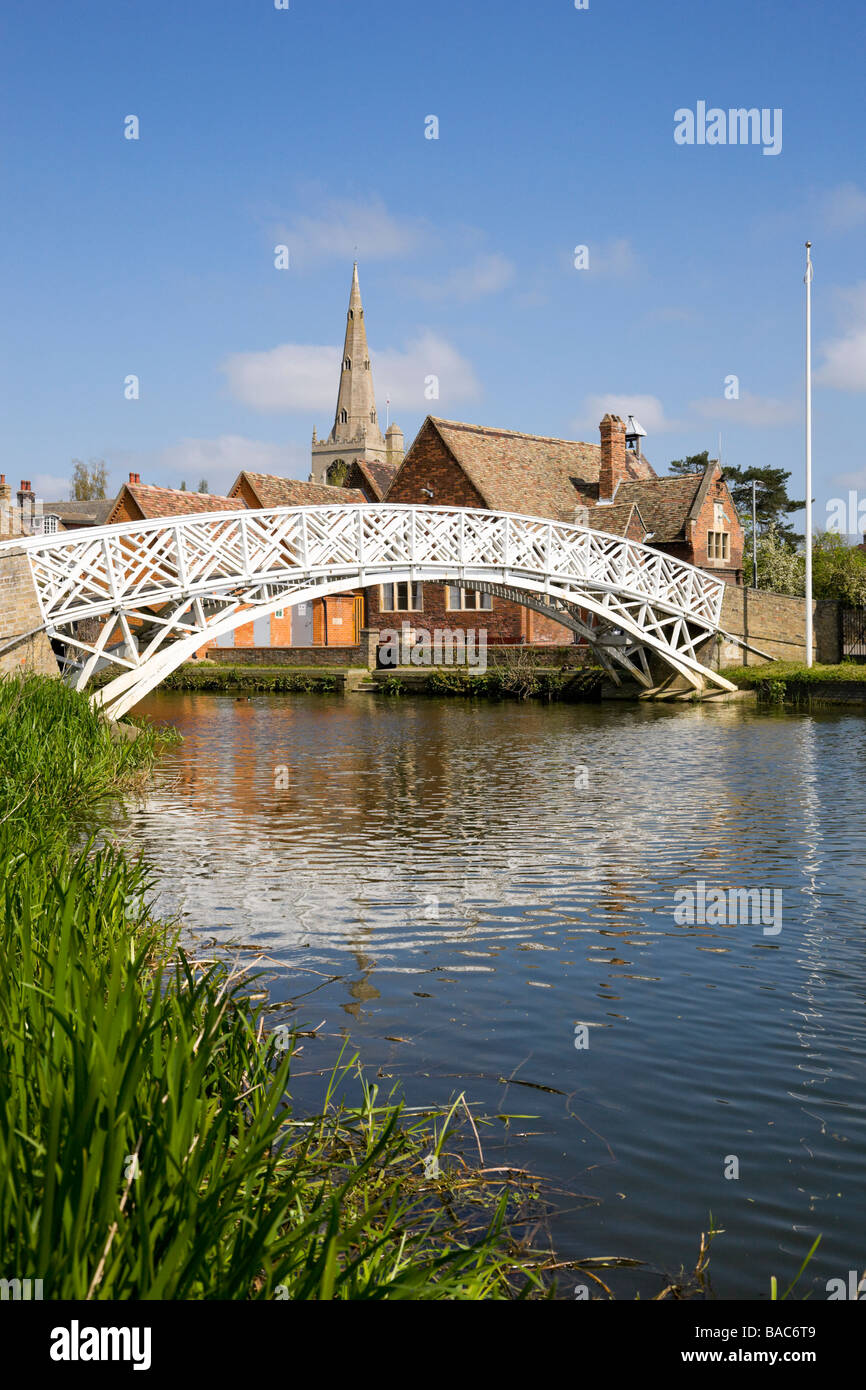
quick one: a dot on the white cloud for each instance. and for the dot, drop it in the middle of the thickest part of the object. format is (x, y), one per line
(647, 410)
(346, 230)
(758, 411)
(844, 365)
(47, 486)
(844, 208)
(219, 461)
(402, 375)
(615, 260)
(298, 377)
(294, 376)
(487, 274)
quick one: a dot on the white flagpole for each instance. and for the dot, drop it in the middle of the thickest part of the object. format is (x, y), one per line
(808, 279)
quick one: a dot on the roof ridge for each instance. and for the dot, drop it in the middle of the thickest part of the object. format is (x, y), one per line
(518, 434)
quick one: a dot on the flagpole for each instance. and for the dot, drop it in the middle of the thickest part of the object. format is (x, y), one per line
(808, 278)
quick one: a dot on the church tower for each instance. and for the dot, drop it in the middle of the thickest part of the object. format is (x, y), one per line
(356, 433)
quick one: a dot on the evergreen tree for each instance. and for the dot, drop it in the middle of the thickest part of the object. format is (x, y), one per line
(203, 487)
(695, 463)
(772, 505)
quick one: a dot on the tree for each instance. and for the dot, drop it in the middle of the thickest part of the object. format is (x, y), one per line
(838, 570)
(183, 486)
(337, 473)
(203, 487)
(695, 463)
(88, 483)
(781, 568)
(772, 505)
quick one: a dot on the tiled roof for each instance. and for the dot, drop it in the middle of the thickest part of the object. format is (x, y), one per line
(616, 519)
(168, 501)
(380, 476)
(292, 492)
(93, 513)
(529, 473)
(665, 503)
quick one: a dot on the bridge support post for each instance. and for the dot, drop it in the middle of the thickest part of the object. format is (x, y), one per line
(23, 647)
(369, 644)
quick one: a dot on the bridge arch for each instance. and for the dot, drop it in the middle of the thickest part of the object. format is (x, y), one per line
(151, 593)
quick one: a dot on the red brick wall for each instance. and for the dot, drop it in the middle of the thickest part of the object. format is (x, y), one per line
(430, 464)
(731, 569)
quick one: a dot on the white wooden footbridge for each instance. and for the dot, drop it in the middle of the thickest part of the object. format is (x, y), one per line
(148, 594)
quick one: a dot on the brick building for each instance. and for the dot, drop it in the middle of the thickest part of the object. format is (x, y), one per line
(609, 486)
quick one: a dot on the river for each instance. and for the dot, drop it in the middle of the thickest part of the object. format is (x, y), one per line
(494, 888)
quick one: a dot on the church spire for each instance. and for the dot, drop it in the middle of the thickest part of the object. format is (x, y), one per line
(356, 415)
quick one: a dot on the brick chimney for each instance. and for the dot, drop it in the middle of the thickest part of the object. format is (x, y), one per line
(25, 493)
(134, 478)
(612, 469)
(5, 489)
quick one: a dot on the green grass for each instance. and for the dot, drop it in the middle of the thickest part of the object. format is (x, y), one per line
(147, 1144)
(750, 677)
(244, 679)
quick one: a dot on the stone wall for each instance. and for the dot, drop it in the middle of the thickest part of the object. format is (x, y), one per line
(776, 623)
(19, 613)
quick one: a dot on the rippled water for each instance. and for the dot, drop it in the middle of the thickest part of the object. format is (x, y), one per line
(477, 903)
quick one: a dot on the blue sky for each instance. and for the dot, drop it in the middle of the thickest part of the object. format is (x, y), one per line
(306, 127)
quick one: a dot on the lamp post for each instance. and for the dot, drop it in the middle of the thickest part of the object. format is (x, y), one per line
(808, 279)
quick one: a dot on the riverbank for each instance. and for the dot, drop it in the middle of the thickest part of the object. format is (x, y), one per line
(522, 681)
(147, 1142)
(792, 683)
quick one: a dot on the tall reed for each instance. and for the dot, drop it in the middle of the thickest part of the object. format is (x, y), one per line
(147, 1144)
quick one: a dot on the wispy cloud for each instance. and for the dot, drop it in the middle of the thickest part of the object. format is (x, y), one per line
(487, 274)
(218, 461)
(761, 412)
(297, 376)
(844, 364)
(843, 209)
(647, 410)
(342, 229)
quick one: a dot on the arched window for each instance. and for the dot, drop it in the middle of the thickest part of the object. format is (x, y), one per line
(344, 417)
(373, 416)
(351, 313)
(347, 365)
(367, 365)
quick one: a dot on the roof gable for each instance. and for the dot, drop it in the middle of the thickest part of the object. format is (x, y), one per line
(273, 491)
(536, 475)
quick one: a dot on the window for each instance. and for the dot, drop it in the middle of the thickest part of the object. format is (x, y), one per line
(718, 545)
(396, 598)
(49, 524)
(344, 417)
(367, 365)
(461, 599)
(373, 416)
(347, 365)
(279, 613)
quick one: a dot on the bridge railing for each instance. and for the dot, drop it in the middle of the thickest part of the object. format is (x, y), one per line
(82, 574)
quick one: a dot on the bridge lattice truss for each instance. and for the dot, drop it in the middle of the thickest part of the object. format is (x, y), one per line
(145, 596)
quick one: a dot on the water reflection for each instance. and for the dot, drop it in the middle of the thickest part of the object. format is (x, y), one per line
(439, 859)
